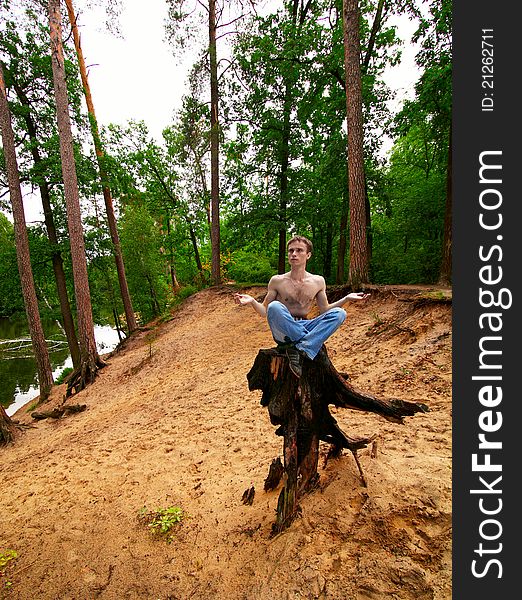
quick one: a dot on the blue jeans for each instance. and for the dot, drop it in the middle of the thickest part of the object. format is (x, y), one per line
(307, 335)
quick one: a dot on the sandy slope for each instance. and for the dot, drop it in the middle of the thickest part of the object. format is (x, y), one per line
(170, 422)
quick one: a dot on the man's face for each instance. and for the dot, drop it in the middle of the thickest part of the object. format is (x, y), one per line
(298, 254)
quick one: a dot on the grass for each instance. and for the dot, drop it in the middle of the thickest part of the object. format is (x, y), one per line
(162, 521)
(5, 557)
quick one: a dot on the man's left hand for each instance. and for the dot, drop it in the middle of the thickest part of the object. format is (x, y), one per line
(357, 296)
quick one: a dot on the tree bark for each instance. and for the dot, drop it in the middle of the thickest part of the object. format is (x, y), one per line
(194, 243)
(283, 178)
(327, 265)
(300, 408)
(214, 146)
(377, 22)
(172, 268)
(341, 249)
(359, 263)
(90, 361)
(7, 428)
(107, 196)
(41, 353)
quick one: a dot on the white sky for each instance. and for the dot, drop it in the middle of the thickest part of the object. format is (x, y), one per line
(136, 77)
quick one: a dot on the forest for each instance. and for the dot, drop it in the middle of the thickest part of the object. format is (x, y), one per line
(279, 134)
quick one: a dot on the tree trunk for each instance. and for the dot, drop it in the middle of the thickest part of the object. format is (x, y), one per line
(327, 265)
(369, 235)
(300, 408)
(56, 256)
(214, 146)
(377, 22)
(7, 428)
(341, 249)
(194, 242)
(446, 264)
(359, 264)
(173, 276)
(41, 353)
(90, 361)
(109, 208)
(283, 178)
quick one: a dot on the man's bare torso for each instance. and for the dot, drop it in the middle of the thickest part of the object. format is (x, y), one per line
(297, 295)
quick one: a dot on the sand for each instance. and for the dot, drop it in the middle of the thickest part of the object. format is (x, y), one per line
(170, 422)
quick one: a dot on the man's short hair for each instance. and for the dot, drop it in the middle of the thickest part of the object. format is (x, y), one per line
(304, 240)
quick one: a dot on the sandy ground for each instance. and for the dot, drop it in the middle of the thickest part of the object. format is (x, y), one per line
(170, 422)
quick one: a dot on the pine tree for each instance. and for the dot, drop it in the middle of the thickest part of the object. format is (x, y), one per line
(41, 353)
(90, 361)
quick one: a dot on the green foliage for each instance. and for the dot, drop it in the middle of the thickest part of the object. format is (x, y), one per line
(186, 291)
(283, 140)
(11, 300)
(141, 244)
(63, 375)
(407, 227)
(162, 521)
(6, 557)
(246, 266)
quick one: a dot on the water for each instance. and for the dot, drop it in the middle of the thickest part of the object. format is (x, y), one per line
(18, 371)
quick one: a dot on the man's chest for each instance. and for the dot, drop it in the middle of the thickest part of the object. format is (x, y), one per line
(302, 293)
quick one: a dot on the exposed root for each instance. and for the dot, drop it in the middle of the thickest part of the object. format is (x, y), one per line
(84, 375)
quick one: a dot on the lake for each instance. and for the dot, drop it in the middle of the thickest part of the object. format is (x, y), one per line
(18, 371)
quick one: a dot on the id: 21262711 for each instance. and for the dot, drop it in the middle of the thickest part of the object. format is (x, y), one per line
(487, 71)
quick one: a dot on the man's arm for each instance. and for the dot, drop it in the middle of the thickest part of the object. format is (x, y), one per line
(322, 301)
(260, 308)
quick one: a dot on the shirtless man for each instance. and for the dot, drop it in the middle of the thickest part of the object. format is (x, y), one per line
(288, 302)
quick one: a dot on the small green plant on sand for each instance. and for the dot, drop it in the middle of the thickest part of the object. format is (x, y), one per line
(162, 520)
(377, 320)
(5, 557)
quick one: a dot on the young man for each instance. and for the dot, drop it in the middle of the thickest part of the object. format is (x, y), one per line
(288, 301)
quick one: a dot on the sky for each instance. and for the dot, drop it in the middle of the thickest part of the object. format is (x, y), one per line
(136, 76)
(130, 83)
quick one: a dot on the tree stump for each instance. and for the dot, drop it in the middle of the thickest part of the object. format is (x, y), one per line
(299, 406)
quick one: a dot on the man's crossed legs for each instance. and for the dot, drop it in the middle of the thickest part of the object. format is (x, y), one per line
(302, 335)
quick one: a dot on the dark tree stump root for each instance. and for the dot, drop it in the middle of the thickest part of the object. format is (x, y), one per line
(58, 412)
(83, 376)
(299, 406)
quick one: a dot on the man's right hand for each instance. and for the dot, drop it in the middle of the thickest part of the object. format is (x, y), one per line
(243, 299)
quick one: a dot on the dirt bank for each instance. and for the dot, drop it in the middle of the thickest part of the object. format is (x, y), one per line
(170, 422)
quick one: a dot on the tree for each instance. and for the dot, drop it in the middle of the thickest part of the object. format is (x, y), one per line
(170, 180)
(25, 68)
(109, 208)
(189, 12)
(7, 427)
(274, 71)
(214, 143)
(359, 263)
(294, 147)
(433, 92)
(45, 376)
(430, 111)
(90, 361)
(409, 209)
(141, 244)
(180, 13)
